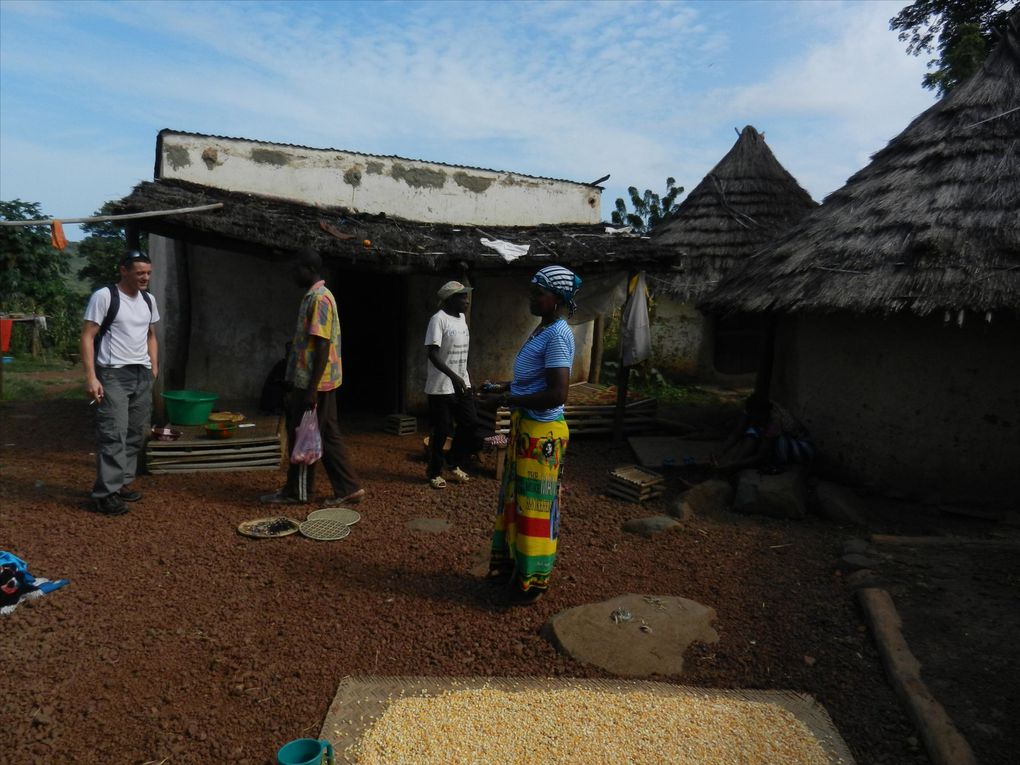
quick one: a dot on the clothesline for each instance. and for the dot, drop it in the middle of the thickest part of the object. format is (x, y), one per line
(103, 218)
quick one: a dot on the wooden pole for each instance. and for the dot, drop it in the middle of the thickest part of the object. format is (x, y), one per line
(103, 218)
(622, 375)
(597, 344)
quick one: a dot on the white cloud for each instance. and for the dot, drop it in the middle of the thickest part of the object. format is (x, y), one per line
(571, 90)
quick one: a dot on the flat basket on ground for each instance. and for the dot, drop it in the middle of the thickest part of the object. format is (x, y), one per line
(188, 407)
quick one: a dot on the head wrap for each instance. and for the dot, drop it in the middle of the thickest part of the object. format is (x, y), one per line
(560, 281)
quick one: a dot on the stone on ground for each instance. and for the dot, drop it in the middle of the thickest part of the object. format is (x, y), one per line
(652, 525)
(651, 642)
(706, 499)
(783, 495)
(429, 525)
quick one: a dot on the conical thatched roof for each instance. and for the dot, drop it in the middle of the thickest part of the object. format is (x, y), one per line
(932, 224)
(745, 202)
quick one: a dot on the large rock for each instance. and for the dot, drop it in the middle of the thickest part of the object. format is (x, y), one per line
(839, 504)
(783, 495)
(706, 499)
(651, 642)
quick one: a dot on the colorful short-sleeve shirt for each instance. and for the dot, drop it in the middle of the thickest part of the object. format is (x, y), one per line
(317, 317)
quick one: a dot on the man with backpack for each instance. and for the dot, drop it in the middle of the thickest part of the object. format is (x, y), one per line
(120, 356)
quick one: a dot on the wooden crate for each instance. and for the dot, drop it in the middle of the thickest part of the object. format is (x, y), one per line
(401, 424)
(635, 483)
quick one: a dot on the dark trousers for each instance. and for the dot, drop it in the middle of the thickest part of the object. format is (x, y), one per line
(455, 414)
(300, 478)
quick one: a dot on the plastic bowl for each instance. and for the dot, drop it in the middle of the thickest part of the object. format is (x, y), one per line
(188, 407)
(165, 434)
(220, 429)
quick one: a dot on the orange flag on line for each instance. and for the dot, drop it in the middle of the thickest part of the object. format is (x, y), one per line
(57, 238)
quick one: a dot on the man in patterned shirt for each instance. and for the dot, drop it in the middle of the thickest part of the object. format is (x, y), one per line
(314, 374)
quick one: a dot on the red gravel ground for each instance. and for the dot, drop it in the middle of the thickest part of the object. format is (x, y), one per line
(180, 641)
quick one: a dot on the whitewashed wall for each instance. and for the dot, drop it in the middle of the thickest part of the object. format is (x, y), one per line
(405, 188)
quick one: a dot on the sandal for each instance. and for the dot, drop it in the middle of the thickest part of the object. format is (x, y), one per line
(438, 482)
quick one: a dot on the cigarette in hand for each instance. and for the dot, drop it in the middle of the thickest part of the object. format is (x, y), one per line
(93, 401)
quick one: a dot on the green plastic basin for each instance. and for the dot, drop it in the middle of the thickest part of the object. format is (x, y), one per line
(188, 407)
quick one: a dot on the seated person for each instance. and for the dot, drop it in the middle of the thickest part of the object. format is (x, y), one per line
(768, 438)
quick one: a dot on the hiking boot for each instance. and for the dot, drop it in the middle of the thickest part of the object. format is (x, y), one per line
(128, 495)
(279, 498)
(111, 505)
(438, 482)
(459, 475)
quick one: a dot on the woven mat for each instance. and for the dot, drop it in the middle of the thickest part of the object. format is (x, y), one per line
(324, 529)
(359, 701)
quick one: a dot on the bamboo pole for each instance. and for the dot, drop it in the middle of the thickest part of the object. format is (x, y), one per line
(103, 218)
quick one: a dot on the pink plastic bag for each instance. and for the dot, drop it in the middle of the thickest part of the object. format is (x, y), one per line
(307, 441)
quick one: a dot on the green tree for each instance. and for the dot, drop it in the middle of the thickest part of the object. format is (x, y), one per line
(102, 249)
(649, 208)
(32, 275)
(33, 270)
(961, 32)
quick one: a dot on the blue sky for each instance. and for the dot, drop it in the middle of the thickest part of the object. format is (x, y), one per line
(575, 90)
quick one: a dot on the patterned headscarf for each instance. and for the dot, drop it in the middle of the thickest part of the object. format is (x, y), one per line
(560, 281)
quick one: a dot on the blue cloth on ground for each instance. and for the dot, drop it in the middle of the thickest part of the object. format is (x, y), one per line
(17, 584)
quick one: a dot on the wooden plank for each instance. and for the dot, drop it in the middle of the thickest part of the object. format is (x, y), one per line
(214, 458)
(212, 454)
(212, 447)
(199, 467)
(212, 470)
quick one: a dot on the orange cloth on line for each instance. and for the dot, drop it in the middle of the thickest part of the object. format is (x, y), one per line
(57, 238)
(5, 334)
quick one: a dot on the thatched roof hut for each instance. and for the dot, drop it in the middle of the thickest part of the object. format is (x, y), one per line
(932, 224)
(895, 395)
(746, 200)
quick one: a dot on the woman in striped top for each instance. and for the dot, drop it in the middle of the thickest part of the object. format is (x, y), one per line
(528, 511)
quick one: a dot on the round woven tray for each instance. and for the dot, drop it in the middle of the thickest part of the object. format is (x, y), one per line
(267, 528)
(324, 529)
(339, 514)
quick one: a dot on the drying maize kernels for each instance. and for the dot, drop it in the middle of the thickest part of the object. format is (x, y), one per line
(582, 727)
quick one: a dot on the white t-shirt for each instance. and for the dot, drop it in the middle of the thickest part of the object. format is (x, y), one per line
(451, 334)
(126, 342)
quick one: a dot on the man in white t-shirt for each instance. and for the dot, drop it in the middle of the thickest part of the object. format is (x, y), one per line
(451, 404)
(120, 356)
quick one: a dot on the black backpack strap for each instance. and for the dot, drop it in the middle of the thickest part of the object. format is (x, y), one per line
(111, 314)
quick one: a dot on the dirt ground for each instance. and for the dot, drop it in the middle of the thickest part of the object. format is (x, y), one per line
(180, 641)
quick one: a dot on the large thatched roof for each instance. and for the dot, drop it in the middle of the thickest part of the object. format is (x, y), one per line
(275, 228)
(931, 224)
(745, 202)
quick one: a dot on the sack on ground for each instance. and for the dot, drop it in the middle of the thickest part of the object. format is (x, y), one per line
(307, 441)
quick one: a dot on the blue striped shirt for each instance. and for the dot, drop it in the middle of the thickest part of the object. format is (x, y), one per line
(551, 348)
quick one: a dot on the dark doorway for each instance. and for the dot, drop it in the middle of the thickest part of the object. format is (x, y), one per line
(372, 318)
(738, 343)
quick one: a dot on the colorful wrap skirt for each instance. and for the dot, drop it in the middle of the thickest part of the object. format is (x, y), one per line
(528, 514)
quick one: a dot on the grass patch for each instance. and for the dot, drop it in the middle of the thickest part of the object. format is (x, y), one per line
(34, 379)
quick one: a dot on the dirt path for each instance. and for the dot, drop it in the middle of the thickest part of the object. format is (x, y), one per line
(177, 638)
